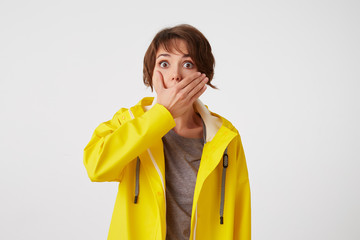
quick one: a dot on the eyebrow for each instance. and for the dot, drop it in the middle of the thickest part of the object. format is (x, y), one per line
(168, 55)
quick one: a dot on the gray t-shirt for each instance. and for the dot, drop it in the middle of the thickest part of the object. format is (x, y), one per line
(182, 161)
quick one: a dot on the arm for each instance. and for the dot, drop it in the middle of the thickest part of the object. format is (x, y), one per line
(114, 144)
(242, 222)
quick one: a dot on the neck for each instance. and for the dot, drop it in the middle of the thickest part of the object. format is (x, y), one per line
(189, 120)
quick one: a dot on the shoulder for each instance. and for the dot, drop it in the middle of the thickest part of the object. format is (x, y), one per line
(135, 110)
(225, 122)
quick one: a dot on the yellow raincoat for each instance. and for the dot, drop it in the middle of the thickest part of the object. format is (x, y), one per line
(137, 132)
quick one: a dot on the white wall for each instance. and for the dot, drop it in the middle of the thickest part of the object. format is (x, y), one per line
(288, 73)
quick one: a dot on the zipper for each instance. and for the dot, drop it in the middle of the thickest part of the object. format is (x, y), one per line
(195, 224)
(162, 182)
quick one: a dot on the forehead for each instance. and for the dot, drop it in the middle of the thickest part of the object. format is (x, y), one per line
(175, 46)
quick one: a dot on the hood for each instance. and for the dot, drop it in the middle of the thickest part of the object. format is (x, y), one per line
(212, 122)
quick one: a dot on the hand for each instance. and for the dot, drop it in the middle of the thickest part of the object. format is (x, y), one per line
(179, 97)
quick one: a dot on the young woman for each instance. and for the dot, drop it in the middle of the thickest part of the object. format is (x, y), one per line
(181, 168)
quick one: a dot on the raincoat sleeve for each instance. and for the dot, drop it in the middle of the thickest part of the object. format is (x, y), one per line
(242, 222)
(117, 142)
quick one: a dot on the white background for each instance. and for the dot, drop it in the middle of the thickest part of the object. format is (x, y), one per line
(288, 74)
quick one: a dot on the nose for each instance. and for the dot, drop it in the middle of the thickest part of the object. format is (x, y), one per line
(176, 75)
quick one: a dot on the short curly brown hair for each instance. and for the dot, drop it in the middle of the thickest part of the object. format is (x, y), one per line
(198, 47)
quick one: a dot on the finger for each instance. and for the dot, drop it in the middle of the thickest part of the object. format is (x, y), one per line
(158, 81)
(196, 85)
(183, 83)
(193, 90)
(198, 94)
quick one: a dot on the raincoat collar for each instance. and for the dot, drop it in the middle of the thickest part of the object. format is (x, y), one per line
(213, 122)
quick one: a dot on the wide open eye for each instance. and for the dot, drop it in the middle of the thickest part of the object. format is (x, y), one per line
(164, 64)
(188, 65)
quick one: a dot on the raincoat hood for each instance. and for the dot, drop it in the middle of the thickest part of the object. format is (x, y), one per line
(212, 123)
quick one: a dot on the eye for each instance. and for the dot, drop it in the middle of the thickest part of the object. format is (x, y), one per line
(163, 64)
(188, 65)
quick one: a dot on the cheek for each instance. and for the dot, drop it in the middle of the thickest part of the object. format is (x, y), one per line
(188, 72)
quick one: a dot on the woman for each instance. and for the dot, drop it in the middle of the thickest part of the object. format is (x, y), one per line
(181, 167)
